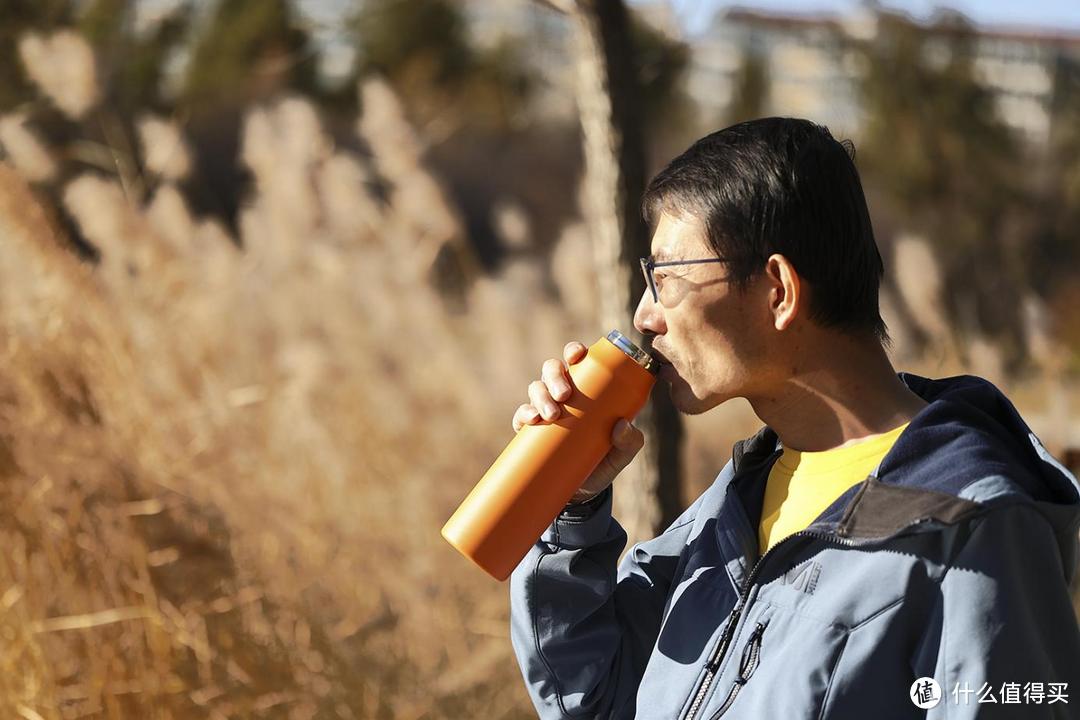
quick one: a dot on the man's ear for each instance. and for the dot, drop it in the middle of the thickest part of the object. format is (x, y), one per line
(785, 290)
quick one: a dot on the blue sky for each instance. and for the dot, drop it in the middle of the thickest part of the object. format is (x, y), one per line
(1048, 14)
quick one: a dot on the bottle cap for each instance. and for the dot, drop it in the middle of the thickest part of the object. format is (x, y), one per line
(638, 355)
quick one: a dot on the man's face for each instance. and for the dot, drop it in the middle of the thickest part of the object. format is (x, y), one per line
(712, 335)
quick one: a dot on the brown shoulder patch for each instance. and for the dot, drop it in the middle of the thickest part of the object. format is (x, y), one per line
(879, 509)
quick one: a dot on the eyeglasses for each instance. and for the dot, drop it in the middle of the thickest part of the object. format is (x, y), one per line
(648, 264)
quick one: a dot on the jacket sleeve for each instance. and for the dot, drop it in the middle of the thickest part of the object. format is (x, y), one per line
(1003, 625)
(582, 632)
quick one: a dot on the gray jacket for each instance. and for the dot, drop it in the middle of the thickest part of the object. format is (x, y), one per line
(952, 561)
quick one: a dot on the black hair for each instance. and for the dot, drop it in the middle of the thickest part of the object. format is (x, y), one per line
(782, 185)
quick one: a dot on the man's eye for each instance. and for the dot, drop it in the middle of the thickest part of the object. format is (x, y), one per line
(658, 277)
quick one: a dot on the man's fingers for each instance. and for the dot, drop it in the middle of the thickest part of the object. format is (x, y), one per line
(554, 387)
(526, 414)
(541, 400)
(554, 376)
(574, 352)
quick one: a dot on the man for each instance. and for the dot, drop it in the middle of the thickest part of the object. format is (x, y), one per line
(887, 546)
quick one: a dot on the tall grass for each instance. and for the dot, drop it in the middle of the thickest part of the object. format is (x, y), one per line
(225, 469)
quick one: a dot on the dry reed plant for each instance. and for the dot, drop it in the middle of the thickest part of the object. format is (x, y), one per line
(229, 466)
(164, 150)
(62, 66)
(24, 150)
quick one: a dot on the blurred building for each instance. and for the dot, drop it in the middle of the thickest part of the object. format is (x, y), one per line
(813, 70)
(809, 72)
(811, 67)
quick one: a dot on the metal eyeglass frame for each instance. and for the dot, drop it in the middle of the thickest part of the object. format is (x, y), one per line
(648, 265)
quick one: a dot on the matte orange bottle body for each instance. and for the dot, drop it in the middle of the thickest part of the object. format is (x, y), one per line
(544, 465)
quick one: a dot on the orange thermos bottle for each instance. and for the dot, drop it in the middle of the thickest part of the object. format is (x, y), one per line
(545, 464)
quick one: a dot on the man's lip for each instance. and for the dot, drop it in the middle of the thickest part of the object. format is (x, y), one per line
(659, 356)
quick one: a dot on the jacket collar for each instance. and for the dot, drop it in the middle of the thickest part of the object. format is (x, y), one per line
(968, 431)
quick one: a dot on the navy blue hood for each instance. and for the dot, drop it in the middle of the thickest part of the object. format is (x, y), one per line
(968, 433)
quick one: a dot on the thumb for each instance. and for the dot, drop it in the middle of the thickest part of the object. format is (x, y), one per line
(626, 437)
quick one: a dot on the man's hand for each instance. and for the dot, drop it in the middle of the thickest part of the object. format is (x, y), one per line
(545, 405)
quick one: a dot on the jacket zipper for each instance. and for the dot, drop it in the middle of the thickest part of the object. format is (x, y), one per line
(747, 665)
(713, 662)
(716, 659)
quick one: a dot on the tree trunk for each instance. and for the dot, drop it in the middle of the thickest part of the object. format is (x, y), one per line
(647, 494)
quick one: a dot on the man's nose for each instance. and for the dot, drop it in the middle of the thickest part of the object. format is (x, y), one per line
(649, 316)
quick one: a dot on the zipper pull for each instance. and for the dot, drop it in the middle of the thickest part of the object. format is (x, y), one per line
(749, 660)
(721, 648)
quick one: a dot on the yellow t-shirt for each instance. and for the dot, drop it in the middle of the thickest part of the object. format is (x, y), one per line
(802, 484)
